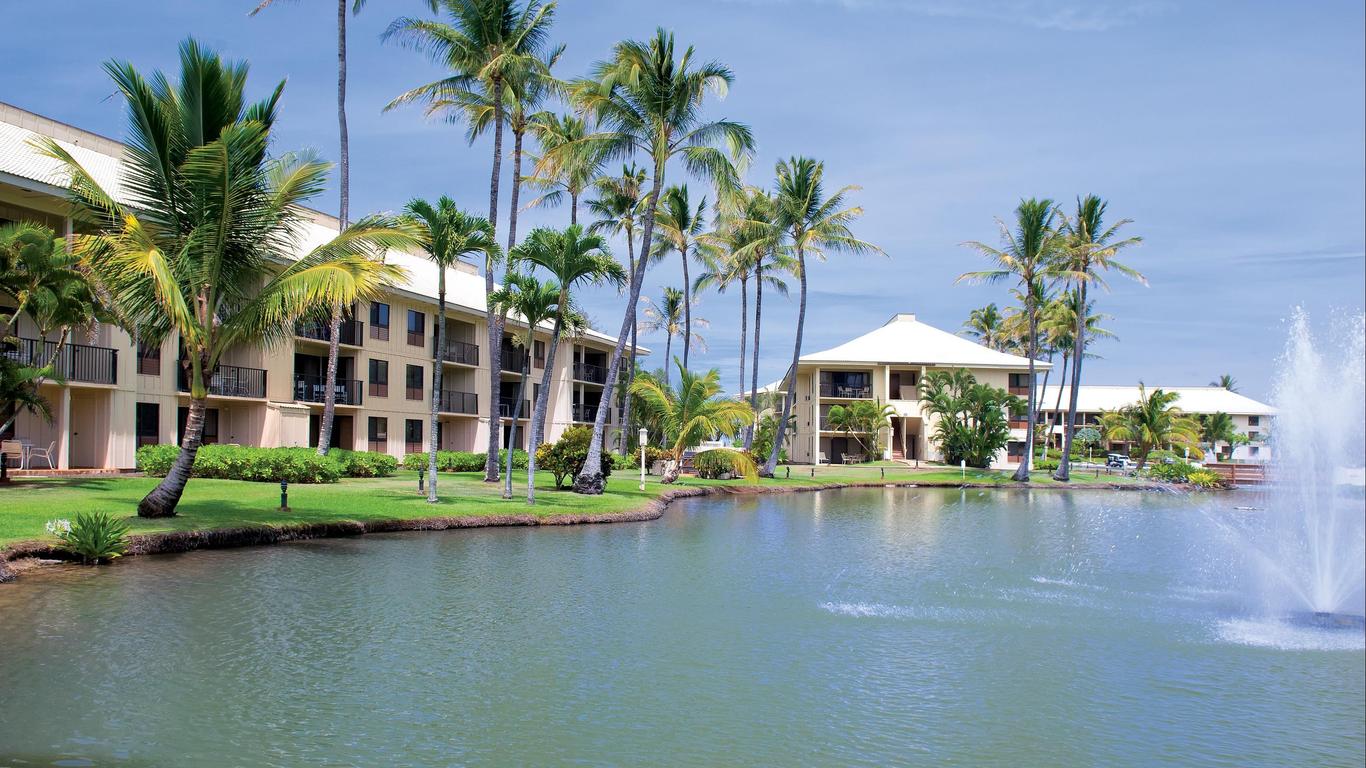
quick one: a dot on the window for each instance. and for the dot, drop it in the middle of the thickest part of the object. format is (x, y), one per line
(1254, 450)
(379, 377)
(1015, 449)
(1254, 421)
(148, 424)
(1254, 435)
(379, 320)
(412, 435)
(378, 432)
(149, 359)
(413, 382)
(208, 434)
(417, 328)
(538, 349)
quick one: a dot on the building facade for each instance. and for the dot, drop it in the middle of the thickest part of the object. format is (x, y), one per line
(119, 394)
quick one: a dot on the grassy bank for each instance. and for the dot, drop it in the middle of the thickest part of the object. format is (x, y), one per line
(27, 504)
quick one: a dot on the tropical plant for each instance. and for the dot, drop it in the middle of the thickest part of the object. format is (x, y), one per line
(1089, 251)
(668, 315)
(562, 175)
(1060, 321)
(208, 271)
(863, 421)
(1028, 254)
(95, 537)
(483, 44)
(1088, 438)
(679, 228)
(809, 223)
(449, 235)
(1152, 422)
(971, 424)
(1218, 428)
(533, 302)
(696, 412)
(645, 100)
(1226, 381)
(564, 457)
(985, 326)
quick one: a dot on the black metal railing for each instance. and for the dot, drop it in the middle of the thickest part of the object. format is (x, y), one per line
(461, 352)
(585, 413)
(595, 374)
(459, 402)
(350, 333)
(505, 407)
(514, 360)
(75, 362)
(229, 381)
(313, 389)
(832, 389)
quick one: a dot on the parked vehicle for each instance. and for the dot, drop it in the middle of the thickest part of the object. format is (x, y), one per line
(1118, 461)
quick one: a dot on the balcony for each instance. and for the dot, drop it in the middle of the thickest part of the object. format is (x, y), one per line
(850, 391)
(505, 407)
(350, 333)
(313, 389)
(76, 362)
(229, 381)
(593, 374)
(453, 401)
(514, 360)
(462, 353)
(585, 413)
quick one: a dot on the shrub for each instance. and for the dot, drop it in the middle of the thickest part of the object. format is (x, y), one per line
(565, 457)
(1176, 472)
(95, 537)
(462, 461)
(240, 462)
(1204, 478)
(714, 463)
(655, 453)
(1048, 464)
(619, 462)
(364, 463)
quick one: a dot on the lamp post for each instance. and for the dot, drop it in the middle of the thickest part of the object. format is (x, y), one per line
(644, 438)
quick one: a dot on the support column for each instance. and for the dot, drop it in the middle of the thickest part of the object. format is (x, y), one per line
(64, 438)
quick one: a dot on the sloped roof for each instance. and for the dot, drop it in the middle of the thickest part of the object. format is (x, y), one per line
(1094, 398)
(903, 340)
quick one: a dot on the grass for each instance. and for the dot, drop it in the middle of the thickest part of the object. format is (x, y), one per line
(29, 503)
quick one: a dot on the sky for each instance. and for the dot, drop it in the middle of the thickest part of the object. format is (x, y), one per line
(1233, 134)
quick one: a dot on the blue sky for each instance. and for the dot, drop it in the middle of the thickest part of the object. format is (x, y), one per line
(1231, 132)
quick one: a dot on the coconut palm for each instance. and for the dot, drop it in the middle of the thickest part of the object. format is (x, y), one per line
(209, 272)
(666, 315)
(645, 100)
(562, 175)
(1028, 254)
(1218, 428)
(984, 325)
(483, 44)
(679, 228)
(572, 258)
(449, 235)
(696, 411)
(809, 223)
(862, 420)
(533, 303)
(1152, 422)
(1061, 324)
(1090, 248)
(1226, 381)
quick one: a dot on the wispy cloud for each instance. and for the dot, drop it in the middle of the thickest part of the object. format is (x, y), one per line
(1062, 15)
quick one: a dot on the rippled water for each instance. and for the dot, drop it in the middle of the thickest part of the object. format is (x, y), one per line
(865, 627)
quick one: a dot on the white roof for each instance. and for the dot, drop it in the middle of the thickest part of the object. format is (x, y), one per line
(101, 157)
(903, 340)
(1094, 398)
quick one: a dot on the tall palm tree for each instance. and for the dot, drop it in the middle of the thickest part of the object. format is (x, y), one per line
(1151, 422)
(449, 235)
(483, 44)
(1062, 322)
(679, 229)
(207, 271)
(562, 175)
(1218, 428)
(618, 209)
(810, 223)
(572, 258)
(722, 269)
(1226, 381)
(1089, 251)
(667, 315)
(985, 326)
(533, 303)
(694, 412)
(645, 100)
(1028, 253)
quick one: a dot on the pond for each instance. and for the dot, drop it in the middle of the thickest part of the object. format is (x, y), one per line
(859, 627)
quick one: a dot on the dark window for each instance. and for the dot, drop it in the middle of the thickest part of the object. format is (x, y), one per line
(413, 382)
(539, 353)
(148, 423)
(378, 432)
(379, 320)
(208, 435)
(149, 359)
(1253, 421)
(379, 377)
(1015, 449)
(417, 328)
(1254, 450)
(412, 435)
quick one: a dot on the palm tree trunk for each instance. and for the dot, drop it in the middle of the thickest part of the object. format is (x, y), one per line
(517, 414)
(631, 372)
(754, 364)
(437, 365)
(163, 499)
(491, 316)
(538, 413)
(516, 188)
(589, 479)
(744, 333)
(687, 306)
(330, 382)
(791, 395)
(1042, 390)
(668, 352)
(573, 208)
(345, 169)
(1022, 473)
(1078, 352)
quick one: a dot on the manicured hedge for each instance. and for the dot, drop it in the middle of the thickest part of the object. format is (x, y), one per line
(269, 465)
(463, 461)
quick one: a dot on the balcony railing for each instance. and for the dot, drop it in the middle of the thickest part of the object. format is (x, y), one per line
(595, 374)
(350, 332)
(313, 389)
(229, 381)
(505, 408)
(461, 352)
(585, 413)
(514, 360)
(459, 402)
(831, 389)
(76, 362)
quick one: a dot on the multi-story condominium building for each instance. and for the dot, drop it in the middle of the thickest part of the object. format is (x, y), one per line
(119, 394)
(887, 364)
(1250, 417)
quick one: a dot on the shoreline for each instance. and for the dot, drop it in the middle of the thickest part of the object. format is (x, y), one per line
(27, 556)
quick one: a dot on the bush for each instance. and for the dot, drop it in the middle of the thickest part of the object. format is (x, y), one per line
(1048, 464)
(96, 536)
(364, 463)
(1204, 478)
(463, 461)
(1176, 472)
(240, 462)
(619, 462)
(654, 453)
(712, 464)
(565, 457)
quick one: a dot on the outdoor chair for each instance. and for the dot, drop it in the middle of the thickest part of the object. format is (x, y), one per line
(15, 451)
(45, 454)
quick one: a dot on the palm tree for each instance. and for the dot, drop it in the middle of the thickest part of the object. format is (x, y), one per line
(1218, 428)
(484, 45)
(533, 302)
(721, 269)
(667, 316)
(810, 223)
(1089, 251)
(1062, 323)
(985, 326)
(572, 258)
(1226, 381)
(617, 208)
(1150, 423)
(680, 230)
(1028, 253)
(449, 235)
(696, 412)
(645, 100)
(562, 175)
(207, 271)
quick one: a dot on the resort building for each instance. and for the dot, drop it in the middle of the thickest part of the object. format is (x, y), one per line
(119, 394)
(887, 365)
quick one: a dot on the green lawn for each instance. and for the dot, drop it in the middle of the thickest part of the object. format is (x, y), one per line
(27, 504)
